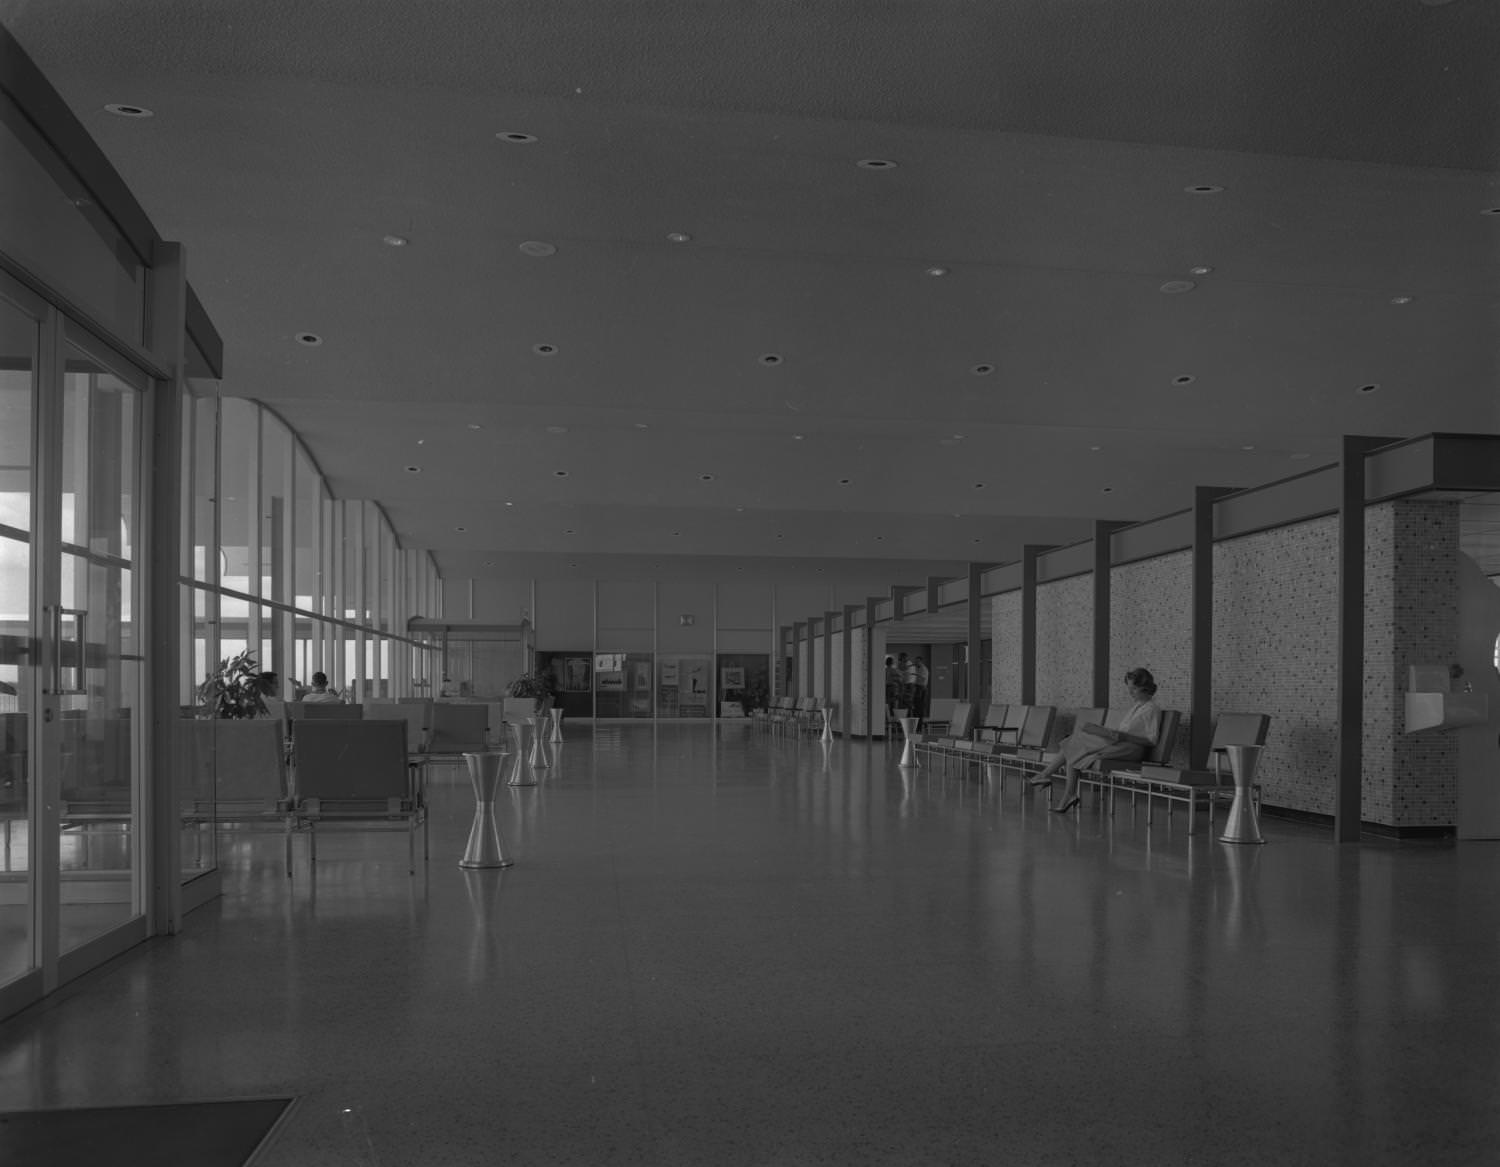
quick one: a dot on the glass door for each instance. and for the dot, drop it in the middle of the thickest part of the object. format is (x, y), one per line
(71, 663)
(93, 658)
(20, 338)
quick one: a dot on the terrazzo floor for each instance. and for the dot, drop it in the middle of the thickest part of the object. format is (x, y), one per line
(721, 948)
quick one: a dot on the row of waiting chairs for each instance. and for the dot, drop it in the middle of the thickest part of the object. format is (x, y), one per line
(434, 727)
(350, 765)
(1019, 740)
(792, 715)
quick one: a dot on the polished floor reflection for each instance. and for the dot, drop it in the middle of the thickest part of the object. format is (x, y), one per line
(720, 948)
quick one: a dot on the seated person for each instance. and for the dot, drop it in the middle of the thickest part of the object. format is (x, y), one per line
(320, 693)
(1136, 734)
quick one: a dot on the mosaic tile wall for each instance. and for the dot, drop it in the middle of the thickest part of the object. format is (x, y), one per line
(1005, 650)
(1276, 645)
(1411, 604)
(1065, 641)
(1276, 652)
(859, 682)
(1150, 626)
(834, 690)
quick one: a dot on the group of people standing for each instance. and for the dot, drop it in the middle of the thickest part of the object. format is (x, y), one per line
(906, 685)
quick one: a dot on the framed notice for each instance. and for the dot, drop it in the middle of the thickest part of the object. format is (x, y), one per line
(732, 678)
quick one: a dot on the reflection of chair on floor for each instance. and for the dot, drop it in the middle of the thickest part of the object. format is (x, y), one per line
(234, 772)
(355, 774)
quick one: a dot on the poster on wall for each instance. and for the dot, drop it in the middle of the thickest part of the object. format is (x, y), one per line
(692, 689)
(669, 673)
(576, 678)
(731, 679)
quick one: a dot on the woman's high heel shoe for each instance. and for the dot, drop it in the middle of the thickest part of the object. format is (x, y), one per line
(1067, 806)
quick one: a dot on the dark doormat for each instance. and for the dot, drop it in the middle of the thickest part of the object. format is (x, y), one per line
(204, 1134)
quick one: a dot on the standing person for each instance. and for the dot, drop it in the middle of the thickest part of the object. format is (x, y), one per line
(320, 694)
(892, 689)
(920, 688)
(908, 673)
(1136, 734)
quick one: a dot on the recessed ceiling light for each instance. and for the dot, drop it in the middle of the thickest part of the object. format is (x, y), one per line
(739, 510)
(705, 477)
(414, 470)
(515, 136)
(979, 486)
(557, 429)
(958, 437)
(1401, 299)
(1178, 287)
(770, 359)
(544, 350)
(538, 247)
(1096, 449)
(128, 111)
(510, 504)
(569, 531)
(876, 164)
(1199, 271)
(1368, 388)
(937, 271)
(1183, 379)
(310, 339)
(880, 538)
(845, 481)
(1204, 189)
(560, 473)
(395, 240)
(1107, 490)
(982, 370)
(679, 237)
(460, 528)
(474, 425)
(1247, 447)
(796, 437)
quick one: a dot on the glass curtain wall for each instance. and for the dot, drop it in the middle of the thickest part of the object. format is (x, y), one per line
(273, 564)
(308, 583)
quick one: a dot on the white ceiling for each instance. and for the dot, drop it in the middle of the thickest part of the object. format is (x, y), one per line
(1045, 149)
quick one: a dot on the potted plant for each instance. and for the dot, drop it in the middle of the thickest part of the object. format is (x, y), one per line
(232, 754)
(537, 686)
(236, 690)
